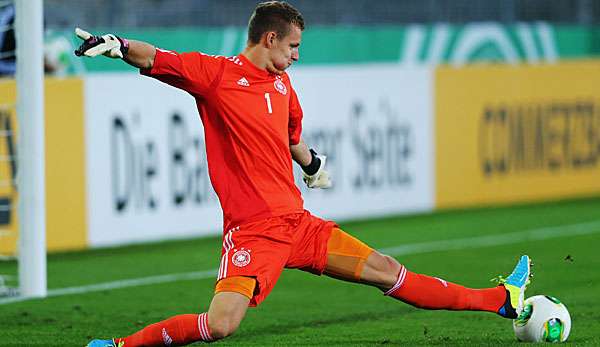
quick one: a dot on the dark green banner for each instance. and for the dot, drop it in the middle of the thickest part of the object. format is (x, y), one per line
(408, 45)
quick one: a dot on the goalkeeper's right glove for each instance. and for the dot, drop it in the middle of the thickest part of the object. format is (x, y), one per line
(314, 174)
(109, 45)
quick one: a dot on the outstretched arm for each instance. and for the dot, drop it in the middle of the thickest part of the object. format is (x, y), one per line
(140, 55)
(136, 53)
(313, 166)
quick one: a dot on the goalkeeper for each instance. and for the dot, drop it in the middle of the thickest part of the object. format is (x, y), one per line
(253, 123)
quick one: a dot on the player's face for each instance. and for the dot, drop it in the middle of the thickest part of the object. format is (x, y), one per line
(284, 51)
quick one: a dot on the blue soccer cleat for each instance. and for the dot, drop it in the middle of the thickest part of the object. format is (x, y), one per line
(515, 285)
(105, 343)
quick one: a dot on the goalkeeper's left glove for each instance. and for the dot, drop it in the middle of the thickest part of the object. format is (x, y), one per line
(109, 45)
(314, 174)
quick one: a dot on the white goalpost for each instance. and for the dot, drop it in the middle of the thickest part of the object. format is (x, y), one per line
(30, 148)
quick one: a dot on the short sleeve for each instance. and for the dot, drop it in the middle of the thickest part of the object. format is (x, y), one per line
(295, 122)
(193, 72)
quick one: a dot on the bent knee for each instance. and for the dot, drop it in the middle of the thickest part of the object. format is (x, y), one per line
(226, 311)
(381, 270)
(221, 327)
(391, 271)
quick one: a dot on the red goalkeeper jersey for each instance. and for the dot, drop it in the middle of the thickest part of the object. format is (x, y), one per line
(250, 118)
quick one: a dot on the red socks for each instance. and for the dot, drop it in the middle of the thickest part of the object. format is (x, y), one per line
(414, 289)
(175, 331)
(436, 294)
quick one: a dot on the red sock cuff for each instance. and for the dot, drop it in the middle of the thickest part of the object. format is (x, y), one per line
(203, 327)
(399, 282)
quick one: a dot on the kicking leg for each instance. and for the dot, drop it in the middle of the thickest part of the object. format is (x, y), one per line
(437, 294)
(351, 260)
(226, 311)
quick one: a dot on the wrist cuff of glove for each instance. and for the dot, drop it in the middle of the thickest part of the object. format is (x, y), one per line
(315, 164)
(124, 46)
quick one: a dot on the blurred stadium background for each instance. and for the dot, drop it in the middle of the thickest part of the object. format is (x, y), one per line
(455, 130)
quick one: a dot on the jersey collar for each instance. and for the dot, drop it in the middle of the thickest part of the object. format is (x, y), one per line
(254, 68)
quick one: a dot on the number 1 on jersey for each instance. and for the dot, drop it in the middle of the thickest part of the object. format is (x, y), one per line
(268, 98)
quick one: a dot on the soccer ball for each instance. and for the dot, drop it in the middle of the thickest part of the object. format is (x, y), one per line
(544, 319)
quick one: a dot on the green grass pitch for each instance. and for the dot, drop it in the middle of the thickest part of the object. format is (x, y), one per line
(306, 310)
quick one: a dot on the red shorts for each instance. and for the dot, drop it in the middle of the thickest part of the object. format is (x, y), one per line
(262, 249)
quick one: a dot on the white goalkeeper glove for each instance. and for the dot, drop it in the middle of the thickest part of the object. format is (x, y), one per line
(319, 177)
(109, 45)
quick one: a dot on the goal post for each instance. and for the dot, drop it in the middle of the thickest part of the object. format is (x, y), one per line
(30, 148)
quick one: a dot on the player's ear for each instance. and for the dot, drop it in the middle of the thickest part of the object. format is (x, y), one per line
(270, 37)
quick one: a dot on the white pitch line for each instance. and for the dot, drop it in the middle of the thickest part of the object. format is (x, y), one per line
(413, 248)
(496, 239)
(133, 282)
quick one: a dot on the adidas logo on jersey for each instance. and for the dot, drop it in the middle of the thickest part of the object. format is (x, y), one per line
(243, 82)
